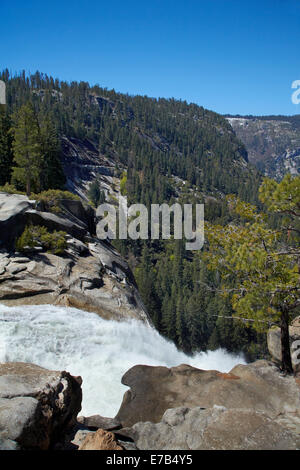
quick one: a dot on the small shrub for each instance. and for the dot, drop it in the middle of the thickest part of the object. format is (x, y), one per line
(33, 236)
(10, 189)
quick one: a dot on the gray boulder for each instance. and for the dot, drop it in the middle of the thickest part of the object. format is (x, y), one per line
(12, 220)
(214, 428)
(99, 422)
(37, 406)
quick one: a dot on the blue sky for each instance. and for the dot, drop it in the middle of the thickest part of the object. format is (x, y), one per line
(232, 56)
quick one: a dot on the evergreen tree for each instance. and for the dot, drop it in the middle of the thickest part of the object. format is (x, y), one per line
(263, 261)
(27, 149)
(51, 172)
(96, 195)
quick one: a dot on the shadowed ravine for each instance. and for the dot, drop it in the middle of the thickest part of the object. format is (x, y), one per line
(101, 351)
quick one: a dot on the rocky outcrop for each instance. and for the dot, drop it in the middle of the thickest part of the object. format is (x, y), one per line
(82, 163)
(100, 440)
(274, 343)
(273, 145)
(17, 211)
(184, 408)
(90, 275)
(253, 407)
(37, 406)
(214, 428)
(258, 387)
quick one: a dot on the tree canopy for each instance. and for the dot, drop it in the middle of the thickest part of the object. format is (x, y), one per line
(263, 261)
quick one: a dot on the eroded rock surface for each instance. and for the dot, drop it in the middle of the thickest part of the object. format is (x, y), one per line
(100, 440)
(214, 428)
(37, 406)
(90, 275)
(258, 387)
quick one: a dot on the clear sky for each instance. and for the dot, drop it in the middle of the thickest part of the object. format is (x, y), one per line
(232, 56)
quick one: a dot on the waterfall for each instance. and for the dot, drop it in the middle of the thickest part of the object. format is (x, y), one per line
(99, 350)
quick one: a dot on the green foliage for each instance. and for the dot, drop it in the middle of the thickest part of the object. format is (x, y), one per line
(50, 200)
(283, 197)
(123, 183)
(36, 150)
(27, 149)
(51, 175)
(176, 288)
(33, 236)
(95, 194)
(263, 262)
(53, 196)
(10, 189)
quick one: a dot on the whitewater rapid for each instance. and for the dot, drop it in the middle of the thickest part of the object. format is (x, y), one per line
(101, 351)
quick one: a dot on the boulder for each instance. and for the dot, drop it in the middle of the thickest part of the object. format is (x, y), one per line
(274, 343)
(12, 219)
(17, 211)
(214, 428)
(79, 437)
(99, 422)
(100, 440)
(37, 406)
(258, 386)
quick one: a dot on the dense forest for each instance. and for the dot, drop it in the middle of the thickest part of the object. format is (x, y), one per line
(171, 151)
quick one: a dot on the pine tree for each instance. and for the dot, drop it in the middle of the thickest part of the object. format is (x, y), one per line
(27, 149)
(96, 195)
(51, 174)
(263, 262)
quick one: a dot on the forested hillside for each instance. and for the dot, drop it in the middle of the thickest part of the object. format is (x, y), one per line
(170, 151)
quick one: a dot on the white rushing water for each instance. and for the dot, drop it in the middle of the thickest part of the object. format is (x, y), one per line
(101, 351)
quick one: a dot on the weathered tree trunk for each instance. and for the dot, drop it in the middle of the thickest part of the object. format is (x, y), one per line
(286, 360)
(28, 187)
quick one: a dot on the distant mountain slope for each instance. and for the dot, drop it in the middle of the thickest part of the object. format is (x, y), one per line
(153, 138)
(272, 142)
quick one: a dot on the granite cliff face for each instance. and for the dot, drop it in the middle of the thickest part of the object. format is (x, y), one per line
(89, 275)
(82, 164)
(273, 145)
